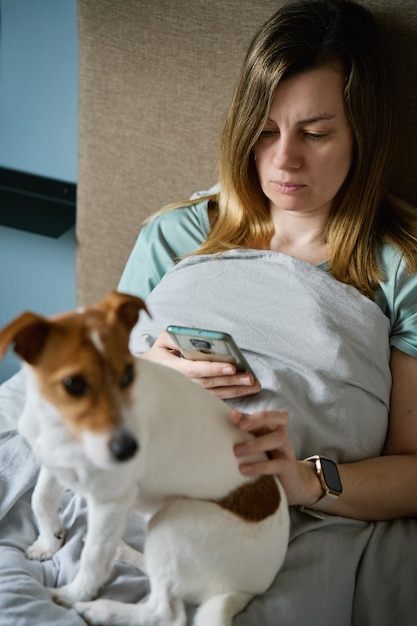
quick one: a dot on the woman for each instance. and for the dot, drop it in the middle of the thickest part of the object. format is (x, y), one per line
(304, 167)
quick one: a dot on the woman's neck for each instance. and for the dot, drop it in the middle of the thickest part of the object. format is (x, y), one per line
(301, 237)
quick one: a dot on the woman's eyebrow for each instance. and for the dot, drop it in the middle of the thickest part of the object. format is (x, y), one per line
(314, 119)
(317, 118)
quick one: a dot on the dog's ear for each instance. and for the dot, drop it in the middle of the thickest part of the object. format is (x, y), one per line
(29, 333)
(123, 307)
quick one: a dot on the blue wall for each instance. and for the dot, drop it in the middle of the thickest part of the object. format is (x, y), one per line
(36, 273)
(38, 87)
(38, 134)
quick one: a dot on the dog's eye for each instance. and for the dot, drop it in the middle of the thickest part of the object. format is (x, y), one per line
(128, 375)
(76, 385)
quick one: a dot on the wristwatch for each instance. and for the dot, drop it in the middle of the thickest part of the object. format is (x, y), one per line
(329, 478)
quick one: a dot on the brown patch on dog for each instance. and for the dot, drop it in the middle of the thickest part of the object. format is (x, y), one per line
(253, 501)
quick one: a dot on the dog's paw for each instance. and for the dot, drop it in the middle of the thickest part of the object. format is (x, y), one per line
(98, 612)
(150, 612)
(68, 595)
(44, 548)
(63, 596)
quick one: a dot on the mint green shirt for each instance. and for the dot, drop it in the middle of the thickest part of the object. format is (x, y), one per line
(177, 233)
(161, 243)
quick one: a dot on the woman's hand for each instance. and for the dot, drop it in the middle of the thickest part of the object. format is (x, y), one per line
(270, 428)
(221, 379)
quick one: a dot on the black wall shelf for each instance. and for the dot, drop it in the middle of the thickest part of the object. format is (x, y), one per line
(36, 204)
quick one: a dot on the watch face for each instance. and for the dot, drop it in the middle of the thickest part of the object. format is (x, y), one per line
(331, 475)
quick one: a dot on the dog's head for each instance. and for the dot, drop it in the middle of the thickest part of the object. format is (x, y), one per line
(82, 365)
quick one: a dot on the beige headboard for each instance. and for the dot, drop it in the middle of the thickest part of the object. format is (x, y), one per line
(155, 79)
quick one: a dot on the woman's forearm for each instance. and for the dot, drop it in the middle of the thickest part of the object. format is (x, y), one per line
(380, 488)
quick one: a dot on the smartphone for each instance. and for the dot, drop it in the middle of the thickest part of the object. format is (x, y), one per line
(197, 344)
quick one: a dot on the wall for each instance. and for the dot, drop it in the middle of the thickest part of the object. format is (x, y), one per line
(37, 273)
(38, 131)
(38, 87)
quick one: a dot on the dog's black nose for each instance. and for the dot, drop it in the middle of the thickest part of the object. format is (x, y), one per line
(123, 445)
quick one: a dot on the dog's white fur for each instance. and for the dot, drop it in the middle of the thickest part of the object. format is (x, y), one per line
(195, 550)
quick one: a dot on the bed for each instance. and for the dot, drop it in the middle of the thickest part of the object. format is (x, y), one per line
(154, 82)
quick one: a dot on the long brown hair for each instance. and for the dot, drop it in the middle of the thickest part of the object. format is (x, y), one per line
(301, 36)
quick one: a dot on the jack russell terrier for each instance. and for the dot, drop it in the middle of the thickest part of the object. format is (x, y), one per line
(128, 433)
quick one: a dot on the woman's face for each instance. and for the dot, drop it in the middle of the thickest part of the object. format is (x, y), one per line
(305, 150)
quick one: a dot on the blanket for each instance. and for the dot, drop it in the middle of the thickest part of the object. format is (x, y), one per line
(321, 351)
(318, 347)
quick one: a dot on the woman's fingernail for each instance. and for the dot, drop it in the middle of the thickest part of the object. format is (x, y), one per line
(240, 449)
(246, 469)
(228, 370)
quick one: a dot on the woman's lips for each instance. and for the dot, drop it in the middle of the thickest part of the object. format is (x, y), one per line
(287, 187)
